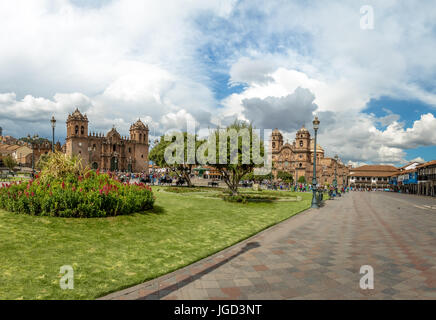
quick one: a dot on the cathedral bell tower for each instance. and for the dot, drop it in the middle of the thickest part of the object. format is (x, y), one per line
(77, 125)
(139, 135)
(302, 139)
(276, 140)
(77, 135)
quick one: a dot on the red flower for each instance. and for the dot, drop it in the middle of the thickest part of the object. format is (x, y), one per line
(63, 185)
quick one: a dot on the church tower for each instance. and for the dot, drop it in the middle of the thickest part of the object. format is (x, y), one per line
(276, 140)
(77, 135)
(302, 140)
(139, 135)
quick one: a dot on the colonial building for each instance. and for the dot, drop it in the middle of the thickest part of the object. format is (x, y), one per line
(427, 178)
(372, 176)
(297, 158)
(111, 152)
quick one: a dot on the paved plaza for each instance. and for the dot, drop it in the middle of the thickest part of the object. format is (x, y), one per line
(318, 255)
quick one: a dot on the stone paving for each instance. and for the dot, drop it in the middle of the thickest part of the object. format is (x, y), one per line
(318, 255)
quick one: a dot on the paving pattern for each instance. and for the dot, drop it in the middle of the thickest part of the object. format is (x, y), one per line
(318, 255)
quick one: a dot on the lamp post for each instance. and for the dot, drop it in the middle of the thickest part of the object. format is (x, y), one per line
(335, 182)
(32, 142)
(314, 183)
(53, 126)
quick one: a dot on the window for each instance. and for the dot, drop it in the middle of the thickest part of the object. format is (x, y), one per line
(76, 130)
(130, 150)
(94, 147)
(142, 156)
(82, 130)
(115, 147)
(273, 144)
(140, 136)
(300, 165)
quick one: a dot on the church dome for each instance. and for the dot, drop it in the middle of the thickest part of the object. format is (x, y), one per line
(77, 115)
(113, 133)
(318, 147)
(276, 133)
(303, 130)
(138, 125)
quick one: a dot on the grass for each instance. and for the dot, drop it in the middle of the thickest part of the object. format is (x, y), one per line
(109, 254)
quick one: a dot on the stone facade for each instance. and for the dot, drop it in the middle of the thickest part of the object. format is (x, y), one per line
(111, 152)
(297, 158)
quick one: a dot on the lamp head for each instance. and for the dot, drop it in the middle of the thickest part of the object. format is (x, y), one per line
(53, 122)
(316, 123)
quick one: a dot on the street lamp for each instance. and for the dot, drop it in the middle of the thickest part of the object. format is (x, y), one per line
(335, 182)
(53, 126)
(314, 183)
(32, 142)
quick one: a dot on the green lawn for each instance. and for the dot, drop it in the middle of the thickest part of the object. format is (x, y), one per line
(109, 254)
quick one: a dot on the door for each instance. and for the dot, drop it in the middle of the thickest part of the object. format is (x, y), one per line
(114, 164)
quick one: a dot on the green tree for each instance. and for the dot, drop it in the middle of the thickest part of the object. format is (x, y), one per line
(181, 168)
(285, 176)
(9, 162)
(235, 160)
(302, 179)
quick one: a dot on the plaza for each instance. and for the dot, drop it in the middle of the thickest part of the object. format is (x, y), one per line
(318, 255)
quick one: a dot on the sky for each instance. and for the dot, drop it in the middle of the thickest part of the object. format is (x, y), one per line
(274, 63)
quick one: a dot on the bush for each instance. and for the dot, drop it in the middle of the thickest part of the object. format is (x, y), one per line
(91, 195)
(244, 198)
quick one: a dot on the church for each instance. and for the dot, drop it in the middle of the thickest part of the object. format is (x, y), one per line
(297, 159)
(111, 151)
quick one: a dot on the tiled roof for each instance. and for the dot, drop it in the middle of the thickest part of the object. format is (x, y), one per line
(429, 163)
(373, 174)
(377, 167)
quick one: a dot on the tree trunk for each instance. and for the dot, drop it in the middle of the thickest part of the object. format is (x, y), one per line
(188, 179)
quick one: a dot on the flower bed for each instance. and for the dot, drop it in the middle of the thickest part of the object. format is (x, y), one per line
(88, 195)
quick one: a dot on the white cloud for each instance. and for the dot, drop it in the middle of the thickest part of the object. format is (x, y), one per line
(124, 59)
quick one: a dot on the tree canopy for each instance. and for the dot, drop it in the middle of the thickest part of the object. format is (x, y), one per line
(239, 150)
(181, 167)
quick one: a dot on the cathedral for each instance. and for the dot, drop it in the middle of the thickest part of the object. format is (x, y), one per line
(110, 152)
(297, 159)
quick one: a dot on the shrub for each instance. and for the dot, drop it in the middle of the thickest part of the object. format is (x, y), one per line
(244, 198)
(92, 195)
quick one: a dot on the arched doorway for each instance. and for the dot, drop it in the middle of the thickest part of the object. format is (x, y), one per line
(95, 165)
(114, 164)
